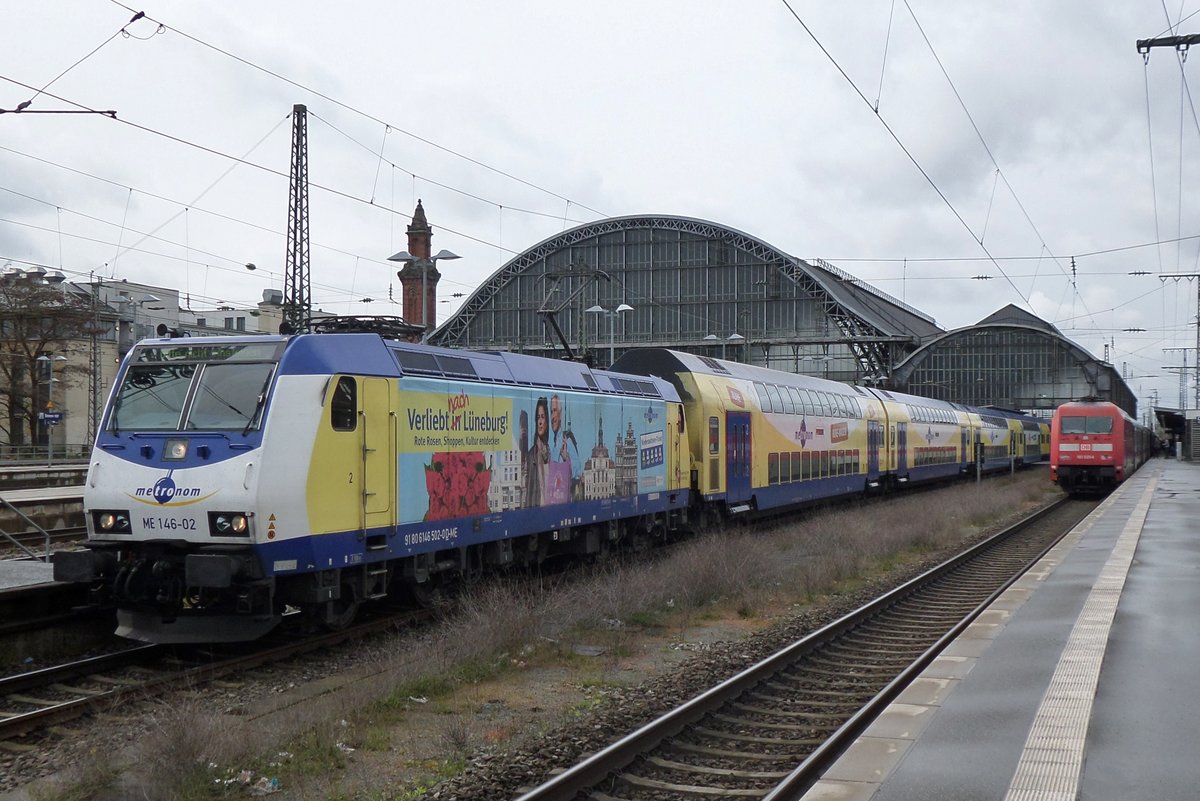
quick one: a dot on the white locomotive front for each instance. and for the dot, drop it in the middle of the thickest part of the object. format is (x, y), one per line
(171, 493)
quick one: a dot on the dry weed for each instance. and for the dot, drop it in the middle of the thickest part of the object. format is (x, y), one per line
(499, 624)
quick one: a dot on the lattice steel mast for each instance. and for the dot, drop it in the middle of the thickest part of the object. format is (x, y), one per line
(297, 286)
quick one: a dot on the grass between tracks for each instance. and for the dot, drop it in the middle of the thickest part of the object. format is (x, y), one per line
(191, 753)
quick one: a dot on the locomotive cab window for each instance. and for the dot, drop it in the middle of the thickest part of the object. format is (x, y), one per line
(1080, 424)
(160, 393)
(343, 409)
(151, 398)
(229, 396)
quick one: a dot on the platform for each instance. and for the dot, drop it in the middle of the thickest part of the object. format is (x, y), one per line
(1080, 681)
(21, 573)
(28, 495)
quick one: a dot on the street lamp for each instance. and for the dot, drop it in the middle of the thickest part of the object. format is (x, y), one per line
(735, 337)
(134, 305)
(50, 422)
(612, 316)
(424, 265)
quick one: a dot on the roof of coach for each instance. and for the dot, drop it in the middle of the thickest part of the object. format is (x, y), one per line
(665, 363)
(504, 367)
(914, 400)
(372, 354)
(1027, 420)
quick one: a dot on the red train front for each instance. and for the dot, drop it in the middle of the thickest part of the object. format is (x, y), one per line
(1094, 446)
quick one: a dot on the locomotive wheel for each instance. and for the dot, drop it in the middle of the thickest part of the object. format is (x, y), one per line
(423, 594)
(339, 613)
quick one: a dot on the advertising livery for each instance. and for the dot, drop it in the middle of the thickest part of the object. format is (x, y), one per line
(236, 477)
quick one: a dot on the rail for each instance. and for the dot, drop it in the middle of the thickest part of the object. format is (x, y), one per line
(920, 612)
(20, 546)
(37, 454)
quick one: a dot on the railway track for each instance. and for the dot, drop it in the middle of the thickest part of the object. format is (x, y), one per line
(769, 731)
(20, 545)
(32, 703)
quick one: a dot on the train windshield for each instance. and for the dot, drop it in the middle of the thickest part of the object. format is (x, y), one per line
(1079, 424)
(190, 393)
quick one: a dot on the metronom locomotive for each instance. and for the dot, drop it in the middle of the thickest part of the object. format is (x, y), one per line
(235, 479)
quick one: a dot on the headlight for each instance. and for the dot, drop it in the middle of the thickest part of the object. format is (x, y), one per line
(228, 524)
(175, 450)
(106, 520)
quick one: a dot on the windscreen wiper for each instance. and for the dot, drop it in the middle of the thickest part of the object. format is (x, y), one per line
(262, 399)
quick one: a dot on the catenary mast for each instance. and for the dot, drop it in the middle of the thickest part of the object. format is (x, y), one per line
(297, 285)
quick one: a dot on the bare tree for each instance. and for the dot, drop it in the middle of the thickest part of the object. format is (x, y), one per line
(37, 319)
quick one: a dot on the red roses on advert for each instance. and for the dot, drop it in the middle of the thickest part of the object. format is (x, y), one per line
(457, 484)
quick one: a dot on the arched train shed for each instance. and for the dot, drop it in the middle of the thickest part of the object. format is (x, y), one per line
(689, 284)
(1011, 359)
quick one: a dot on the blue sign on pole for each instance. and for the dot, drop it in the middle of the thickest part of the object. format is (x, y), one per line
(52, 418)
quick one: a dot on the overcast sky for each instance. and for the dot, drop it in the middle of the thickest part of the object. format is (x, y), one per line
(918, 145)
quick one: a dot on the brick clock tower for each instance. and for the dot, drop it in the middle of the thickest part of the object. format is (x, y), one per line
(420, 277)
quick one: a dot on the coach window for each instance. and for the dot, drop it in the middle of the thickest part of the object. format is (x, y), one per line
(343, 410)
(764, 401)
(714, 435)
(797, 401)
(810, 402)
(776, 401)
(788, 406)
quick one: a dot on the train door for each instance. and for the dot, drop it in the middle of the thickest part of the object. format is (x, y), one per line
(677, 453)
(737, 456)
(378, 463)
(874, 438)
(966, 454)
(901, 449)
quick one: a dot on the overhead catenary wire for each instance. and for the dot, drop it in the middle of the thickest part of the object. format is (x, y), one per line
(904, 149)
(166, 199)
(430, 181)
(153, 234)
(365, 187)
(24, 106)
(983, 141)
(278, 173)
(367, 115)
